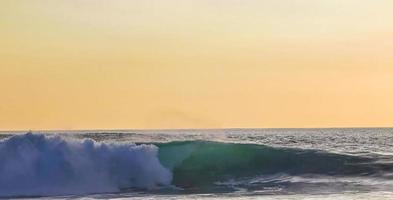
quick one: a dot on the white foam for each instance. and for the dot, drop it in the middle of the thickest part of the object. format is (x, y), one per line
(32, 164)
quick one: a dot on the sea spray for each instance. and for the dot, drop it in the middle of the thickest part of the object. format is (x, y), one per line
(34, 164)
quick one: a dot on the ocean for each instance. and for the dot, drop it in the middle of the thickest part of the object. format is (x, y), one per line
(336, 163)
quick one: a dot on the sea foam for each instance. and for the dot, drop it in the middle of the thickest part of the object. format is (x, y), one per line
(34, 164)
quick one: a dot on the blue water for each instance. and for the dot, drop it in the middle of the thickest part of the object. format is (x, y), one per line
(207, 164)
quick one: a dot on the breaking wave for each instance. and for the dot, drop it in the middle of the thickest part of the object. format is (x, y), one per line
(36, 165)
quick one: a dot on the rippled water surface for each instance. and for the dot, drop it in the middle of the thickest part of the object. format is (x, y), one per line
(217, 164)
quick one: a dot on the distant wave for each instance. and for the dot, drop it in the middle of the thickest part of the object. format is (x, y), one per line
(38, 165)
(33, 164)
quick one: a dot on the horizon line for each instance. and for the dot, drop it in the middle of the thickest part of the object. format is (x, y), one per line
(192, 129)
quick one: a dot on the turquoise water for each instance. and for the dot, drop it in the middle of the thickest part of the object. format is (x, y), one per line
(198, 164)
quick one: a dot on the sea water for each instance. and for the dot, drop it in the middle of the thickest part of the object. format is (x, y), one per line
(198, 164)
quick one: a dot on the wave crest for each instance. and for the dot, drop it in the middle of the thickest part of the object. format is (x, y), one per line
(34, 164)
(197, 164)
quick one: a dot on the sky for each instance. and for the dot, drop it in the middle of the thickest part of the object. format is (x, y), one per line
(153, 64)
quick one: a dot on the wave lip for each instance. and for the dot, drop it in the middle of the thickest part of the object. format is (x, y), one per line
(38, 165)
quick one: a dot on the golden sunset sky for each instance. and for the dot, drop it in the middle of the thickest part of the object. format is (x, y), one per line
(116, 64)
